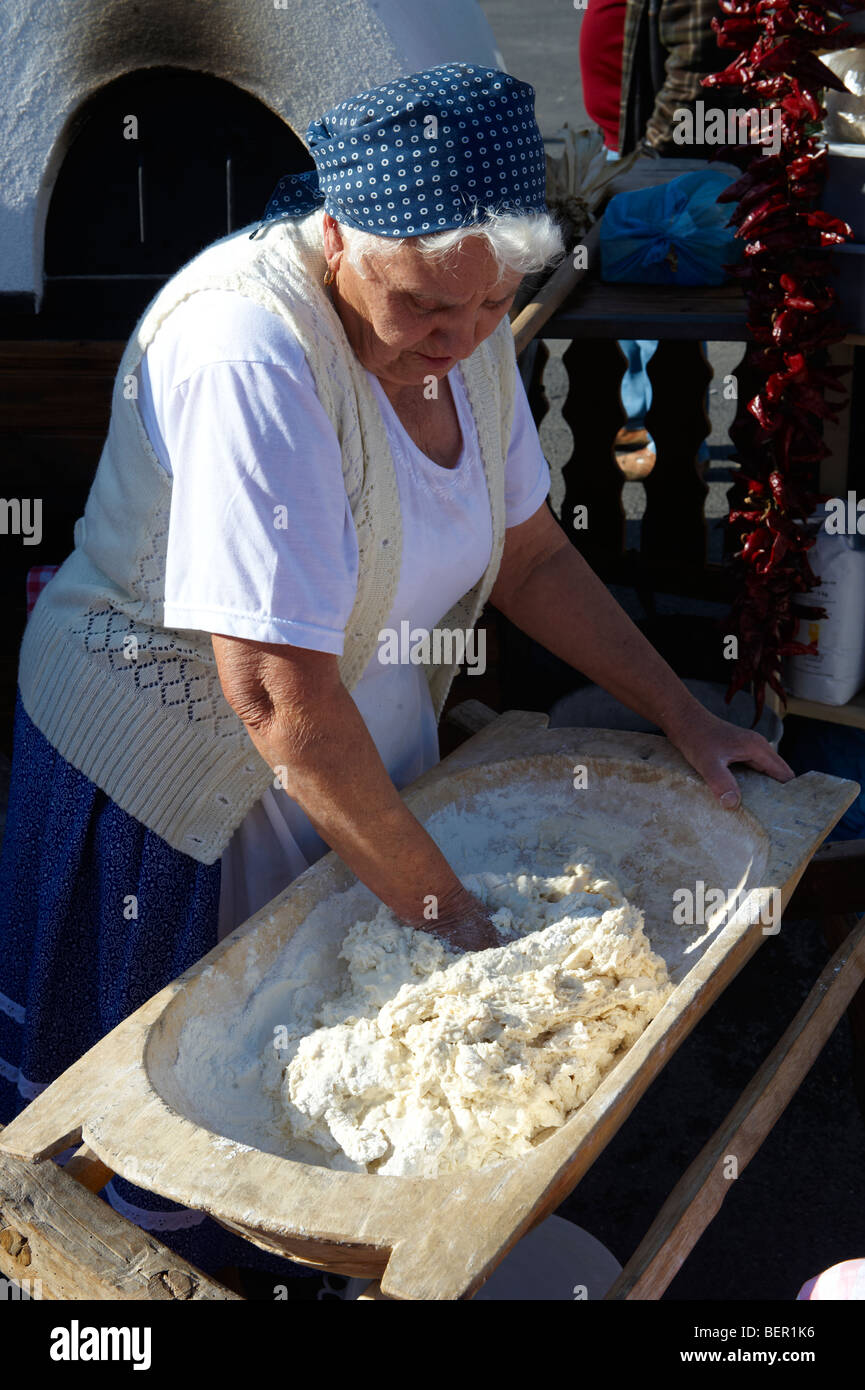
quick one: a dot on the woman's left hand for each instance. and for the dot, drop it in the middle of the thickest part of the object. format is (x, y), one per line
(547, 589)
(710, 744)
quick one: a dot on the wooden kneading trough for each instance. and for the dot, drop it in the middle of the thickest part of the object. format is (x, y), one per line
(151, 1119)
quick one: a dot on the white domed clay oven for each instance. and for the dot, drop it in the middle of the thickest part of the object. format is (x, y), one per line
(134, 132)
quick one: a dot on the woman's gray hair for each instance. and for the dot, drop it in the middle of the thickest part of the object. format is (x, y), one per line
(522, 243)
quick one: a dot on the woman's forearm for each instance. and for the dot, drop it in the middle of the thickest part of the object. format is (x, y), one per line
(564, 605)
(333, 770)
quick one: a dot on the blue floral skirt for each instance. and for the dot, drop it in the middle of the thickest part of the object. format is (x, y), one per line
(73, 965)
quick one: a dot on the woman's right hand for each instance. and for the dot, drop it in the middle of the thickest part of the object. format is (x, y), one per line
(463, 923)
(304, 722)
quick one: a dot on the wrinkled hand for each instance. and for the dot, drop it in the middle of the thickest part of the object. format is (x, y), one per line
(710, 744)
(462, 923)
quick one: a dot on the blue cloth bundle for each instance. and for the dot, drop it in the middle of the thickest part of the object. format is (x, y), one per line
(673, 234)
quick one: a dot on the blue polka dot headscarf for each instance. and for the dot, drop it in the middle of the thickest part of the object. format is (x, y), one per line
(422, 154)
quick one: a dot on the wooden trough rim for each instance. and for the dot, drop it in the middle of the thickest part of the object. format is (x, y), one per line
(447, 1256)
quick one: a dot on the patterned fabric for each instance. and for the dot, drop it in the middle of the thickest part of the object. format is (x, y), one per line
(668, 48)
(96, 915)
(422, 154)
(37, 578)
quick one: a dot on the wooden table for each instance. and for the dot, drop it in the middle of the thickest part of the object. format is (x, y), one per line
(664, 312)
(57, 1231)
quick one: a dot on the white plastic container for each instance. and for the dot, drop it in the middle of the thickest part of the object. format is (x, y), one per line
(834, 674)
(844, 190)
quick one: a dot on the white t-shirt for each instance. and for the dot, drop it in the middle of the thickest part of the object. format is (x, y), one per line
(261, 540)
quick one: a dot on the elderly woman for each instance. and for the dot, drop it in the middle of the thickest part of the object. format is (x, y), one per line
(317, 432)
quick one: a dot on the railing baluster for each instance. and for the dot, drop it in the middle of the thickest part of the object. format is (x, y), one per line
(673, 534)
(593, 480)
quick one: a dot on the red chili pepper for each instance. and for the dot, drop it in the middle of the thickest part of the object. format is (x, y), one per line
(780, 490)
(756, 194)
(785, 326)
(770, 167)
(757, 542)
(734, 32)
(801, 103)
(806, 165)
(769, 210)
(730, 76)
(772, 241)
(765, 417)
(777, 553)
(825, 222)
(792, 314)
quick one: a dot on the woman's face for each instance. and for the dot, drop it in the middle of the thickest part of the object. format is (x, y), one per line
(408, 319)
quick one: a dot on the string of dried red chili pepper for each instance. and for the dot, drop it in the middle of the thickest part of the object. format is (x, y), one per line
(792, 319)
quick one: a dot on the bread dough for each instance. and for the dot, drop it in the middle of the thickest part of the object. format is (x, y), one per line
(429, 1061)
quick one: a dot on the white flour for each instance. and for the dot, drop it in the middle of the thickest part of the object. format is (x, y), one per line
(428, 1061)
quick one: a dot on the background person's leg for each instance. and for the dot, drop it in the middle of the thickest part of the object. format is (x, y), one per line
(634, 447)
(636, 387)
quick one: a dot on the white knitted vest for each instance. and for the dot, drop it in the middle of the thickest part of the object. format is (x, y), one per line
(138, 707)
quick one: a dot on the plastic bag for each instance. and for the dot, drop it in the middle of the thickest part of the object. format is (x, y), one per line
(672, 234)
(845, 111)
(577, 177)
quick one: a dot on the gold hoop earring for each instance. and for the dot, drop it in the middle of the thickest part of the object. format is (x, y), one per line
(329, 276)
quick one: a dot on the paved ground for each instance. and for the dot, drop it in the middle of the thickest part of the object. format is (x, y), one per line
(800, 1206)
(539, 43)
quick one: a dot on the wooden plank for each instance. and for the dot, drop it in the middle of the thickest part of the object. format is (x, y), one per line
(852, 714)
(555, 291)
(649, 172)
(66, 355)
(51, 404)
(373, 1294)
(471, 716)
(836, 929)
(710, 313)
(87, 1168)
(424, 1238)
(495, 738)
(599, 310)
(52, 388)
(699, 1194)
(52, 1230)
